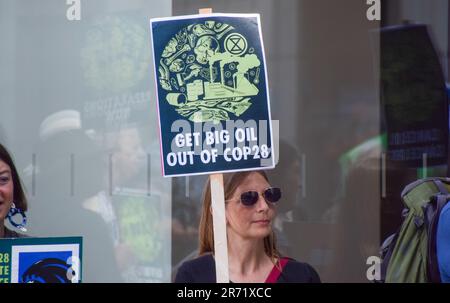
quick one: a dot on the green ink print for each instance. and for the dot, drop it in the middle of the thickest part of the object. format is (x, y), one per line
(209, 72)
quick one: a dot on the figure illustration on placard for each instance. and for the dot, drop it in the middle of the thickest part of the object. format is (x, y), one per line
(209, 72)
(49, 270)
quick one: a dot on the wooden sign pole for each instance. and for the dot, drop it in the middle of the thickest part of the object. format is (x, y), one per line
(219, 225)
(218, 213)
(204, 11)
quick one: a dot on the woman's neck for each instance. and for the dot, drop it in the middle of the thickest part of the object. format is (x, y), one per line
(247, 256)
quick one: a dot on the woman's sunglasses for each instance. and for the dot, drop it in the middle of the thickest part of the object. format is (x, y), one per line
(272, 195)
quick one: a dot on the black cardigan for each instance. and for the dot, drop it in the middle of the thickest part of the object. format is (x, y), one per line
(203, 270)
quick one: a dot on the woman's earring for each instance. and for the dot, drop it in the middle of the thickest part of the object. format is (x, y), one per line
(14, 211)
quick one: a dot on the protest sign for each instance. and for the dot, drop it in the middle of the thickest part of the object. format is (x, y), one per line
(213, 98)
(41, 260)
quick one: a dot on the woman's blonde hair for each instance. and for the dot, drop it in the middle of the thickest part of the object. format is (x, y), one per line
(206, 234)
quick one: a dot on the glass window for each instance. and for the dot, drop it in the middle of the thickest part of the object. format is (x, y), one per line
(78, 112)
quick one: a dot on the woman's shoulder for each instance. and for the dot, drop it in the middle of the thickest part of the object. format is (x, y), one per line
(298, 272)
(198, 270)
(201, 261)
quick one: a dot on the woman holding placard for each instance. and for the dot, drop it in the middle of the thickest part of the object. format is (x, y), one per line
(252, 252)
(13, 202)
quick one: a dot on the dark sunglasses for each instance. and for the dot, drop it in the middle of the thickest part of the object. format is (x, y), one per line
(272, 195)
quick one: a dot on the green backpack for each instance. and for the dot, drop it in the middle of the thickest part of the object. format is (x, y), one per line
(409, 256)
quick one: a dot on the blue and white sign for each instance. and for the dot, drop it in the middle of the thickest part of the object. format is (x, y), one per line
(212, 94)
(40, 260)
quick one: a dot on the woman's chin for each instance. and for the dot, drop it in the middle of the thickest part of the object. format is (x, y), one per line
(261, 231)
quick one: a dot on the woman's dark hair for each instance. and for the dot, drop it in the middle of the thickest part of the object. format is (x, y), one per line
(19, 195)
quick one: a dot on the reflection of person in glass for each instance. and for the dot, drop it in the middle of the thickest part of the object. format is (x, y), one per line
(128, 209)
(60, 201)
(287, 173)
(356, 230)
(11, 192)
(250, 208)
(128, 156)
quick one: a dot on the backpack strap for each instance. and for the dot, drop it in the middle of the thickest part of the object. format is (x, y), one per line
(440, 186)
(386, 251)
(275, 273)
(436, 181)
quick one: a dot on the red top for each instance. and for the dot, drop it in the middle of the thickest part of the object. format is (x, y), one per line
(275, 273)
